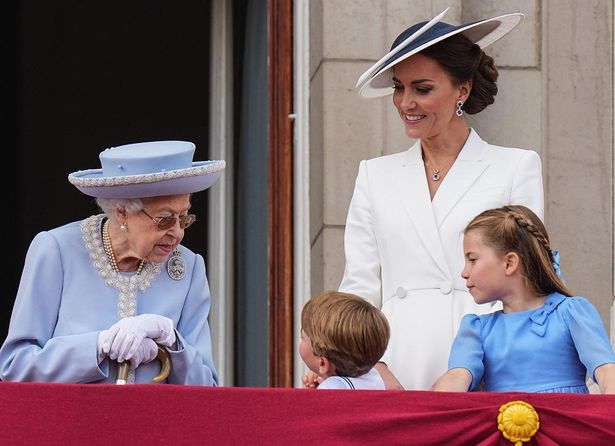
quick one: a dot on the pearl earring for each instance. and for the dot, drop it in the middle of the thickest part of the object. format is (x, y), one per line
(123, 226)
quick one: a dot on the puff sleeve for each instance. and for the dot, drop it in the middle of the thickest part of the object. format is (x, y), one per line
(588, 334)
(467, 350)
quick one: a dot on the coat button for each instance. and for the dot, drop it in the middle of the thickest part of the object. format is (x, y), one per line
(401, 292)
(446, 287)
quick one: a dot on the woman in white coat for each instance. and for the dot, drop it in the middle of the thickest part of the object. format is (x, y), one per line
(403, 237)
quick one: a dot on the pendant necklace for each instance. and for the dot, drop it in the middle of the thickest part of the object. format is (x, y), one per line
(437, 173)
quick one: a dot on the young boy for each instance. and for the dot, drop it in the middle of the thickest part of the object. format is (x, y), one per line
(342, 338)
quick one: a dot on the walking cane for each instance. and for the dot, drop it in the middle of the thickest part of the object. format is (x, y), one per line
(123, 368)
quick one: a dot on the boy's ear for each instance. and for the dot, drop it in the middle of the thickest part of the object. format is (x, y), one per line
(513, 263)
(325, 367)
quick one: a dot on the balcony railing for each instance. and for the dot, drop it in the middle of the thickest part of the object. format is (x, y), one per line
(72, 414)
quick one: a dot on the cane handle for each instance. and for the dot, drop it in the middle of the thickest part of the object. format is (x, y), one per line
(123, 368)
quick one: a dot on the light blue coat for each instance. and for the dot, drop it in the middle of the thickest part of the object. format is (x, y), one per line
(62, 304)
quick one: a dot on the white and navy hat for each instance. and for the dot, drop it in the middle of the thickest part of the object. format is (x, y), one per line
(148, 169)
(377, 81)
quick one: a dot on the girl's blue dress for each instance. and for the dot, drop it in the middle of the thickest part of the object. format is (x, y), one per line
(549, 349)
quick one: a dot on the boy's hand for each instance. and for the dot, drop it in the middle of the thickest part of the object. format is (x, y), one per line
(311, 380)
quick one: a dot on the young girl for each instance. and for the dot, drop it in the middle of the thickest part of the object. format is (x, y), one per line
(543, 340)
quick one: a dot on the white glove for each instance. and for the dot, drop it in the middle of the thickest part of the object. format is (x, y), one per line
(147, 352)
(126, 336)
(103, 339)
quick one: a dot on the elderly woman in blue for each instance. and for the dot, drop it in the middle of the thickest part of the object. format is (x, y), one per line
(543, 340)
(113, 287)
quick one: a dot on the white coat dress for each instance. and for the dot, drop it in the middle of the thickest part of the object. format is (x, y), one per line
(404, 251)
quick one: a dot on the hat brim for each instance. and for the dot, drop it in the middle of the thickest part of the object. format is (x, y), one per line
(202, 175)
(483, 33)
(374, 68)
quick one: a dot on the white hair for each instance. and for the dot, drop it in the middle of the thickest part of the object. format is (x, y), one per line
(110, 205)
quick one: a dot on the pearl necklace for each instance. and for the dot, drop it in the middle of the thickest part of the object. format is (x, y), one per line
(109, 250)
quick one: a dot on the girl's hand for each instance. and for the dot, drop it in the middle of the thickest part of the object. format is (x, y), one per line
(454, 380)
(311, 380)
(605, 376)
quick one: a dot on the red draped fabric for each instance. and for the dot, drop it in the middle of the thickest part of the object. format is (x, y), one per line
(74, 414)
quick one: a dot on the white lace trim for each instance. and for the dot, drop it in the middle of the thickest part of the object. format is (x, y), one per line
(211, 167)
(127, 284)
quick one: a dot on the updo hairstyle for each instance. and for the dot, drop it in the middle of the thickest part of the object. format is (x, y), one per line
(466, 61)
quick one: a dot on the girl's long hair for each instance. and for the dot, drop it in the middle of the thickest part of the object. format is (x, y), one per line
(518, 229)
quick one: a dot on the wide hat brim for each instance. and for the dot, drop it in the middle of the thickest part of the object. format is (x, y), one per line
(202, 175)
(377, 81)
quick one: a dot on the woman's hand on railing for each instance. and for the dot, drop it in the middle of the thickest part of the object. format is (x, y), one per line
(390, 381)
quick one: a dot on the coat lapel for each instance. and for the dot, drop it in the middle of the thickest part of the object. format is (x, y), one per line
(414, 194)
(463, 174)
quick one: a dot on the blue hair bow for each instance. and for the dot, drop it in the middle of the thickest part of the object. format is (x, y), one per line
(558, 271)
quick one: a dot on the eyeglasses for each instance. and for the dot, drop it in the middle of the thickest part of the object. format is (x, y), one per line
(164, 223)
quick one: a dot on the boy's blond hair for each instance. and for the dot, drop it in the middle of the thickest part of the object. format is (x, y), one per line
(347, 330)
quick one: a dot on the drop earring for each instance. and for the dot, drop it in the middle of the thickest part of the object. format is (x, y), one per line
(123, 226)
(459, 111)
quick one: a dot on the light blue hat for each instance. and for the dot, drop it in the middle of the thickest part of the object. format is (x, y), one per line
(148, 169)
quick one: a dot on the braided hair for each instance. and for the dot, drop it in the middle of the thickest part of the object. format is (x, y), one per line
(517, 229)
